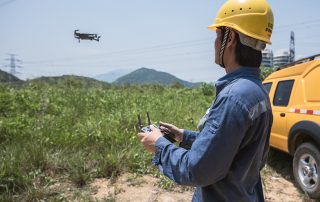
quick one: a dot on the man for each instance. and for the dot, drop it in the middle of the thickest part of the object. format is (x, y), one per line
(223, 160)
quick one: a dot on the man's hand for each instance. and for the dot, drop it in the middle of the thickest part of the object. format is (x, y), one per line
(167, 127)
(149, 139)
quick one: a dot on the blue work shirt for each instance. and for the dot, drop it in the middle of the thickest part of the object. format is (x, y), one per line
(223, 160)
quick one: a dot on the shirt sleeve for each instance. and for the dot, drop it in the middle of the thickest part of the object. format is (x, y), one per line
(213, 150)
(188, 138)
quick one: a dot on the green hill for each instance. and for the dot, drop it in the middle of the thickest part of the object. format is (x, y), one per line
(6, 77)
(150, 76)
(70, 80)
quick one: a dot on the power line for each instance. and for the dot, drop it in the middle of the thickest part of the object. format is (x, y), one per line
(161, 47)
(128, 51)
(125, 60)
(6, 3)
(114, 55)
(184, 55)
(304, 23)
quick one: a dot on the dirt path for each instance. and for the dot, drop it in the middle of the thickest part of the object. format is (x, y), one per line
(277, 179)
(142, 189)
(281, 189)
(145, 189)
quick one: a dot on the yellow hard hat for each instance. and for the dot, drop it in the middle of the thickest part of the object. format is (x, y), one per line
(253, 18)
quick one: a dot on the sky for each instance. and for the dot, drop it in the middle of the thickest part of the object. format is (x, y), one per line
(167, 35)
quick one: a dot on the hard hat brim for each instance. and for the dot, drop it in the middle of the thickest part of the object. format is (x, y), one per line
(214, 27)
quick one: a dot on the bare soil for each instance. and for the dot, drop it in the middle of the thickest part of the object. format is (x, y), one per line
(145, 189)
(277, 177)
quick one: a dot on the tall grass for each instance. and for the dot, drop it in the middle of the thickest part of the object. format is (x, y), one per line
(49, 132)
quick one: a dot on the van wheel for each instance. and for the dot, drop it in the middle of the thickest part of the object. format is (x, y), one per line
(306, 163)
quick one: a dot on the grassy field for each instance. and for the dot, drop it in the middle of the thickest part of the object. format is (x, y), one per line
(71, 131)
(56, 132)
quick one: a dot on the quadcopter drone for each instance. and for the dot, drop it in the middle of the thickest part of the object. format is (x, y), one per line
(85, 36)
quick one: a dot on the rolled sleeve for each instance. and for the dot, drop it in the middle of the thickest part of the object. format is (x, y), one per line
(160, 144)
(188, 138)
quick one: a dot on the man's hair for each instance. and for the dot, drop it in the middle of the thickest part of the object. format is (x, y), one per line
(247, 56)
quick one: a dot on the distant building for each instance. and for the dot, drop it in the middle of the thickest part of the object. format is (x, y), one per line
(267, 58)
(281, 58)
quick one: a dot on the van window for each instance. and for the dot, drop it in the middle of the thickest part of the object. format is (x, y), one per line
(311, 85)
(283, 92)
(267, 86)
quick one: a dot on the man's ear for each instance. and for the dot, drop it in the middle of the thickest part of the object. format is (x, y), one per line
(232, 39)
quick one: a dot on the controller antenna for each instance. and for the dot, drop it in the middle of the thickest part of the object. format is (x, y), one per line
(149, 122)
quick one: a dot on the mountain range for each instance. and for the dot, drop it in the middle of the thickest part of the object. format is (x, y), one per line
(140, 76)
(70, 80)
(151, 76)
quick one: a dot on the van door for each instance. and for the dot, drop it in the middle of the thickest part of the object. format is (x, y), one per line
(279, 136)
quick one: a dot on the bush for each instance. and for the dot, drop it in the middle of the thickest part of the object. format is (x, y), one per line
(207, 89)
(265, 72)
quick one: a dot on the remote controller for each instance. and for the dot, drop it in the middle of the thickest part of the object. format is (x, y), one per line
(145, 129)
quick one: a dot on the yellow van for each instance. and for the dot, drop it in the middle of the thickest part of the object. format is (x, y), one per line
(294, 93)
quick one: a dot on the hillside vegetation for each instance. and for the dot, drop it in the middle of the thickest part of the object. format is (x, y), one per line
(6, 77)
(70, 80)
(150, 76)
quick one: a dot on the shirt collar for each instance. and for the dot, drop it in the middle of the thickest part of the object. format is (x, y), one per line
(242, 72)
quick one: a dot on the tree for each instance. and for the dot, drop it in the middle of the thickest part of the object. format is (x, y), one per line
(265, 72)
